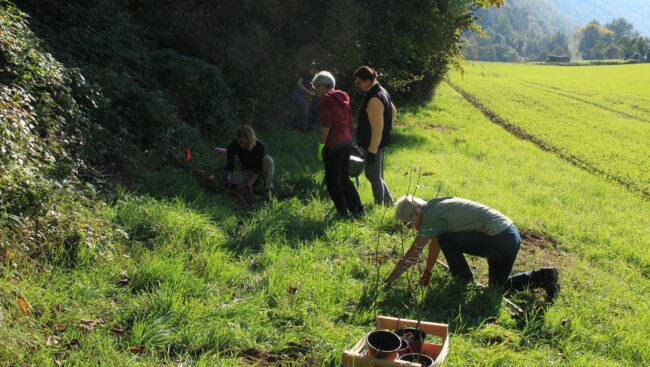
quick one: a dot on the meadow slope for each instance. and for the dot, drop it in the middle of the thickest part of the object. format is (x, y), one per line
(196, 278)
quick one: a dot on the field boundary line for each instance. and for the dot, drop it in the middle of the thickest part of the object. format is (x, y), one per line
(553, 90)
(540, 143)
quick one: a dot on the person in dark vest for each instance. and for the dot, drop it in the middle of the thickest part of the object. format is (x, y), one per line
(302, 94)
(458, 226)
(375, 130)
(257, 166)
(336, 143)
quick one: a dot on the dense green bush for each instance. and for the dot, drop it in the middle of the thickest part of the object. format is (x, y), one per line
(149, 93)
(412, 43)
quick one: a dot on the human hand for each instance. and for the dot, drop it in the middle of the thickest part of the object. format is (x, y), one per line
(243, 189)
(370, 158)
(425, 278)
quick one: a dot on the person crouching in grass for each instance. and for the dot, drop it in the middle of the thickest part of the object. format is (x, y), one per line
(257, 167)
(336, 143)
(459, 226)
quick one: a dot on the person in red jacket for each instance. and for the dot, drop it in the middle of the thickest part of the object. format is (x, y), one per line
(335, 144)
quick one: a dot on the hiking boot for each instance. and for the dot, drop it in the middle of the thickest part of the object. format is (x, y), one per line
(547, 279)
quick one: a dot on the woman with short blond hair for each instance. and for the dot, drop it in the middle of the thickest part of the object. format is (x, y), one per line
(257, 166)
(458, 226)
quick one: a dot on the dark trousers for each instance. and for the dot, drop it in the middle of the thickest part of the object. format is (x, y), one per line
(302, 102)
(339, 186)
(500, 250)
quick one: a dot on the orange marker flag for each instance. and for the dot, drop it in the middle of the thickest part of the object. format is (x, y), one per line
(23, 304)
(188, 154)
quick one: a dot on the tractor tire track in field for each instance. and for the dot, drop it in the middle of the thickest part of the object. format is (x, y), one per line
(554, 90)
(540, 143)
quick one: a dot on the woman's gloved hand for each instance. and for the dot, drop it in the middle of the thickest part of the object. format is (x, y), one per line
(243, 189)
(229, 184)
(425, 278)
(370, 158)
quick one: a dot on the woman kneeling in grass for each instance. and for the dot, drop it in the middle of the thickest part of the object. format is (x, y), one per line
(459, 226)
(257, 166)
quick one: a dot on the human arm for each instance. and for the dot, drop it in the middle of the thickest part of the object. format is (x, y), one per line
(409, 258)
(324, 131)
(301, 86)
(251, 181)
(432, 258)
(375, 111)
(325, 118)
(231, 152)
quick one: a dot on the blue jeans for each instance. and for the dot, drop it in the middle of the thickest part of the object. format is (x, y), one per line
(375, 174)
(302, 103)
(500, 250)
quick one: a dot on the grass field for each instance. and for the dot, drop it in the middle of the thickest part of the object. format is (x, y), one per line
(595, 115)
(196, 278)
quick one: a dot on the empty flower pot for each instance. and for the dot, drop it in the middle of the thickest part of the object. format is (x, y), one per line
(383, 344)
(404, 348)
(414, 337)
(422, 359)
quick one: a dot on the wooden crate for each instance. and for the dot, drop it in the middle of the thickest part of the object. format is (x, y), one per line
(358, 355)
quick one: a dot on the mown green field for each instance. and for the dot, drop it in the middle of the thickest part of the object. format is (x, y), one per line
(598, 116)
(197, 278)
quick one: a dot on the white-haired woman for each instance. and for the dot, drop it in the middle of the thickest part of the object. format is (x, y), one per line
(459, 226)
(335, 144)
(257, 166)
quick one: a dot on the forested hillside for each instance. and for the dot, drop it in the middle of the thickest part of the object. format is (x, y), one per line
(584, 11)
(525, 30)
(520, 30)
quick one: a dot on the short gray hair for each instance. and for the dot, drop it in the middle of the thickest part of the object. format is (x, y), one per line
(324, 78)
(406, 206)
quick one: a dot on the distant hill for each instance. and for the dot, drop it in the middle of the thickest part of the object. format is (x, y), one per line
(583, 11)
(520, 29)
(533, 30)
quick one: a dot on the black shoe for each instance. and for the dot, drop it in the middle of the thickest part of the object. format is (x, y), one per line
(546, 278)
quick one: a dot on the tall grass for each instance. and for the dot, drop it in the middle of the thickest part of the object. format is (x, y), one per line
(197, 279)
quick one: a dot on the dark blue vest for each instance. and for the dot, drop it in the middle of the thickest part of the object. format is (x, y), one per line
(363, 129)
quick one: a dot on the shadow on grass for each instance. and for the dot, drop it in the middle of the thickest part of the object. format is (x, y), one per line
(407, 140)
(462, 307)
(286, 222)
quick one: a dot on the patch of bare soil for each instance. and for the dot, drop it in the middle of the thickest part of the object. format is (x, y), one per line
(536, 251)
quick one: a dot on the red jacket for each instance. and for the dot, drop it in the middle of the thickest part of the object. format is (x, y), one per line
(336, 113)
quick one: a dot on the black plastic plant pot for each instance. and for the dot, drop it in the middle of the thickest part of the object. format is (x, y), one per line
(383, 344)
(422, 359)
(414, 337)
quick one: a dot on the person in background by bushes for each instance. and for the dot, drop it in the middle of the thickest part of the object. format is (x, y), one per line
(302, 94)
(459, 226)
(257, 167)
(375, 130)
(335, 144)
